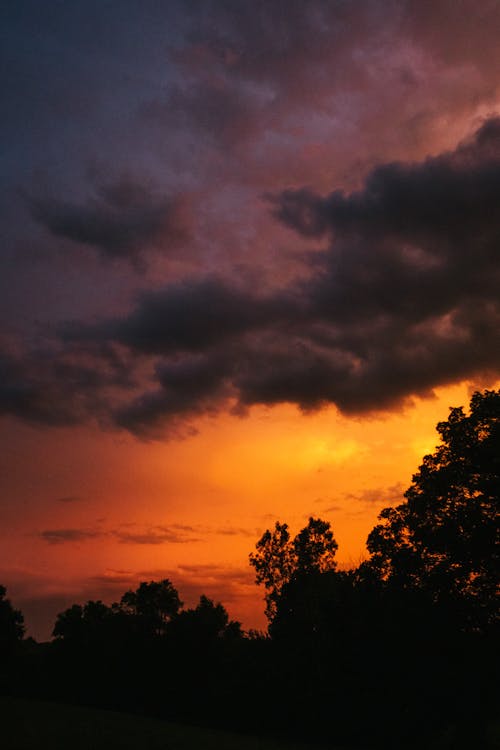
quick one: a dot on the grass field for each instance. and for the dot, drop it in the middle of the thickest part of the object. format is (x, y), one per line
(35, 725)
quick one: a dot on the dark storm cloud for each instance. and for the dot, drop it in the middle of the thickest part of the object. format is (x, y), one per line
(437, 200)
(192, 385)
(123, 220)
(192, 316)
(403, 298)
(32, 396)
(62, 385)
(415, 250)
(204, 332)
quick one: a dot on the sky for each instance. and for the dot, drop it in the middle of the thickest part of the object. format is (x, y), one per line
(250, 258)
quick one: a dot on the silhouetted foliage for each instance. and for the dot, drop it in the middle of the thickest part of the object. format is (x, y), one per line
(205, 624)
(278, 559)
(69, 624)
(11, 633)
(444, 539)
(11, 622)
(88, 624)
(154, 604)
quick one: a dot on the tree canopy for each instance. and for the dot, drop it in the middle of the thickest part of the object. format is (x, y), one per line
(11, 622)
(203, 625)
(278, 559)
(444, 538)
(155, 603)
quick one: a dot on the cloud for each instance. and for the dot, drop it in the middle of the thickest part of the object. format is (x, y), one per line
(62, 384)
(69, 536)
(191, 316)
(123, 220)
(392, 495)
(435, 200)
(175, 534)
(405, 298)
(402, 298)
(26, 394)
(157, 535)
(235, 531)
(195, 385)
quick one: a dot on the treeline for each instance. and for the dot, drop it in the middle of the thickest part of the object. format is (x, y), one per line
(400, 652)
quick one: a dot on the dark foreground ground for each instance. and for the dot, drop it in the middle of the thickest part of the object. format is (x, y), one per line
(34, 725)
(37, 725)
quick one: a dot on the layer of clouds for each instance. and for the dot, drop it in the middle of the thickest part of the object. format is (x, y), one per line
(126, 534)
(132, 533)
(403, 298)
(228, 101)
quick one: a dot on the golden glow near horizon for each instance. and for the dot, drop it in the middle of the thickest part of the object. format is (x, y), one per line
(192, 510)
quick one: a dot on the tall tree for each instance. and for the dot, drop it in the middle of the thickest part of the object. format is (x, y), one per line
(154, 604)
(444, 539)
(278, 559)
(69, 624)
(11, 622)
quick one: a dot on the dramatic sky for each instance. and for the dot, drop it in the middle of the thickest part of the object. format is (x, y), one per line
(250, 256)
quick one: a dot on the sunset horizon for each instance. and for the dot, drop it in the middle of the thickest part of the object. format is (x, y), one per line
(250, 261)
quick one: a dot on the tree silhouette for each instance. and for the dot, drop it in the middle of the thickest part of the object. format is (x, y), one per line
(11, 622)
(278, 559)
(207, 623)
(69, 624)
(154, 604)
(444, 538)
(314, 548)
(88, 624)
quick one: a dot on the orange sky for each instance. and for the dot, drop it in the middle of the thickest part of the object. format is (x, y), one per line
(235, 210)
(215, 493)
